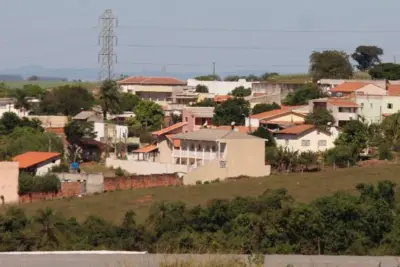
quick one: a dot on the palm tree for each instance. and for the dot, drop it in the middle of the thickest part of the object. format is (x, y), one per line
(21, 102)
(49, 235)
(109, 97)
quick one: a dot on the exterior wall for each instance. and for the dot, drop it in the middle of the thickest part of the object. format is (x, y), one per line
(294, 142)
(9, 172)
(196, 153)
(144, 167)
(371, 89)
(68, 189)
(372, 108)
(161, 94)
(193, 123)
(94, 182)
(264, 99)
(165, 151)
(220, 87)
(244, 157)
(289, 118)
(114, 131)
(141, 181)
(51, 121)
(45, 167)
(281, 90)
(10, 108)
(252, 122)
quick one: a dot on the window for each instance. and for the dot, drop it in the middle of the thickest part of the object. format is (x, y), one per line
(199, 147)
(192, 147)
(362, 105)
(305, 142)
(390, 106)
(322, 142)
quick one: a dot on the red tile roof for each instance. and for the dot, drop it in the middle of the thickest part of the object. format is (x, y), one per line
(222, 98)
(30, 159)
(348, 87)
(152, 81)
(296, 129)
(176, 142)
(169, 129)
(282, 122)
(56, 130)
(241, 129)
(342, 103)
(269, 114)
(146, 149)
(394, 90)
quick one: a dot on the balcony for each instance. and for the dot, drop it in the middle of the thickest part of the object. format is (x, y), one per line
(195, 154)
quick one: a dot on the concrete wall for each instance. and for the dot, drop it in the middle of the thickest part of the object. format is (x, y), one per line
(372, 89)
(141, 181)
(9, 172)
(220, 87)
(46, 166)
(145, 167)
(94, 182)
(68, 189)
(243, 158)
(372, 108)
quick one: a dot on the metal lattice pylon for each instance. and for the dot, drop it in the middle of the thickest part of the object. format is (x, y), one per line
(107, 41)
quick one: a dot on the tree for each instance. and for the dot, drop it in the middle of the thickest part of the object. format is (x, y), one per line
(263, 107)
(210, 77)
(149, 114)
(354, 134)
(109, 98)
(21, 101)
(323, 119)
(367, 56)
(265, 134)
(304, 94)
(206, 102)
(128, 101)
(201, 88)
(65, 100)
(34, 90)
(232, 110)
(330, 64)
(389, 71)
(268, 75)
(75, 131)
(241, 91)
(10, 121)
(391, 128)
(33, 78)
(232, 78)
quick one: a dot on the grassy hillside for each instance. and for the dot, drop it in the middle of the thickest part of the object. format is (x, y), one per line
(48, 84)
(304, 187)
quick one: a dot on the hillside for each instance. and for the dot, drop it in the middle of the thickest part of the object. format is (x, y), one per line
(48, 84)
(303, 187)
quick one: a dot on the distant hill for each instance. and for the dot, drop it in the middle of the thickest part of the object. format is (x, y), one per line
(8, 77)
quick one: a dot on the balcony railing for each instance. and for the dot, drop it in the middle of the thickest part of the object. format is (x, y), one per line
(196, 155)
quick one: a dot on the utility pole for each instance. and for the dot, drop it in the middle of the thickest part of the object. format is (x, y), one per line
(107, 40)
(394, 59)
(214, 69)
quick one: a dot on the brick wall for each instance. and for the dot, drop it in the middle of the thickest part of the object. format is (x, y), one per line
(141, 181)
(68, 189)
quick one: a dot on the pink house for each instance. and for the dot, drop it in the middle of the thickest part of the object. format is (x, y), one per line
(197, 117)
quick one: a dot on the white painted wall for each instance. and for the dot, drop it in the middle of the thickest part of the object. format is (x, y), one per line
(121, 131)
(9, 172)
(44, 168)
(99, 130)
(10, 108)
(220, 87)
(145, 167)
(313, 138)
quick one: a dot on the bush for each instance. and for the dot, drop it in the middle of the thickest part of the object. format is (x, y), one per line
(119, 172)
(385, 152)
(63, 167)
(341, 156)
(38, 184)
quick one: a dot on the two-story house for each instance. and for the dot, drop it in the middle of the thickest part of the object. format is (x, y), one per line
(197, 117)
(343, 110)
(352, 89)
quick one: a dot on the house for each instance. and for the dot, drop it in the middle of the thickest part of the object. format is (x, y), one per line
(156, 89)
(164, 141)
(306, 137)
(328, 84)
(219, 154)
(197, 117)
(220, 87)
(88, 116)
(7, 105)
(343, 110)
(357, 88)
(38, 163)
(375, 108)
(275, 119)
(9, 173)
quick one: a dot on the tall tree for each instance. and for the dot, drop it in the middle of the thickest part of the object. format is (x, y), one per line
(391, 128)
(355, 134)
(241, 91)
(263, 107)
(201, 88)
(323, 119)
(128, 101)
(109, 98)
(149, 114)
(303, 94)
(75, 131)
(389, 71)
(210, 77)
(330, 64)
(232, 110)
(367, 56)
(21, 101)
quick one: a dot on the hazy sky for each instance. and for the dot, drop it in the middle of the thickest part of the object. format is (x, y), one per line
(63, 33)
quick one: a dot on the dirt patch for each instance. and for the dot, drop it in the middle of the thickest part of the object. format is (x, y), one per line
(145, 199)
(371, 163)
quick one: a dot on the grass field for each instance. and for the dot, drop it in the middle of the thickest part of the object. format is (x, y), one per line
(48, 84)
(303, 187)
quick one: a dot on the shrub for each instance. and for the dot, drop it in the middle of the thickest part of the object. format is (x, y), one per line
(385, 152)
(35, 184)
(199, 182)
(119, 172)
(63, 167)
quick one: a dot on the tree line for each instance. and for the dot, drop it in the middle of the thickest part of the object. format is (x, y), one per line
(367, 223)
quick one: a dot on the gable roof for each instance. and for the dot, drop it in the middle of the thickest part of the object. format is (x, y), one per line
(349, 87)
(30, 159)
(152, 81)
(296, 130)
(343, 103)
(394, 90)
(201, 112)
(275, 113)
(146, 149)
(213, 135)
(169, 129)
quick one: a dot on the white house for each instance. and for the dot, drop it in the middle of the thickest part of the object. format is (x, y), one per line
(220, 87)
(306, 137)
(38, 163)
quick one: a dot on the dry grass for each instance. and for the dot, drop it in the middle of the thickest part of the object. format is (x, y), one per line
(93, 167)
(303, 187)
(49, 84)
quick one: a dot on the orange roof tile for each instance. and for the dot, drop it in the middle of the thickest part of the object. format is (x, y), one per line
(152, 81)
(222, 98)
(146, 149)
(343, 103)
(296, 129)
(169, 129)
(394, 90)
(176, 142)
(282, 122)
(269, 114)
(30, 159)
(348, 87)
(241, 129)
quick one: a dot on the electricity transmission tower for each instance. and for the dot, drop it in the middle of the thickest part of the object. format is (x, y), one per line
(107, 41)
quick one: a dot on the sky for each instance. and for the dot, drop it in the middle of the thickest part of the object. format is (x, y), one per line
(64, 34)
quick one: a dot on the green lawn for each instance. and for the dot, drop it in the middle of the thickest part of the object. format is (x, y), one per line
(49, 84)
(303, 187)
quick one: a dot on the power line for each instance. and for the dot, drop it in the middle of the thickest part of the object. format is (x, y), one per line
(161, 28)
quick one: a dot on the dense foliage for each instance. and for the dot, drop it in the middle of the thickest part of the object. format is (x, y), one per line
(43, 184)
(363, 224)
(233, 110)
(263, 107)
(303, 94)
(241, 91)
(330, 64)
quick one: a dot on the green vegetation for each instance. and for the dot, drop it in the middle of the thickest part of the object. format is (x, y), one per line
(232, 110)
(49, 84)
(241, 91)
(303, 94)
(43, 184)
(260, 108)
